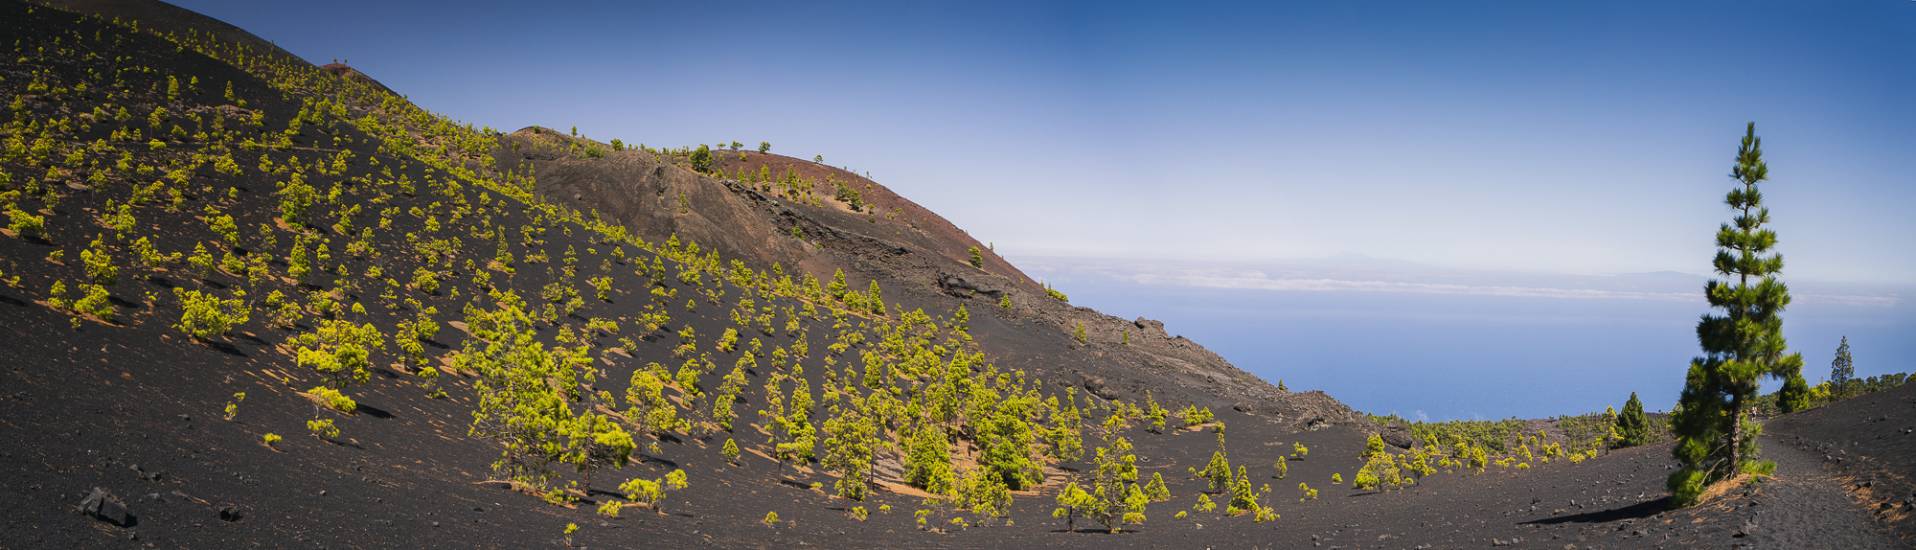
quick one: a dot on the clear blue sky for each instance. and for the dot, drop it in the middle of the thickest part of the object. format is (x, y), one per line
(1590, 137)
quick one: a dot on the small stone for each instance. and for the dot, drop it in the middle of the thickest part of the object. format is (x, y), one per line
(103, 506)
(232, 512)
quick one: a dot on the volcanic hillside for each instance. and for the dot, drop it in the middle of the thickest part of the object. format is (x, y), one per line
(252, 301)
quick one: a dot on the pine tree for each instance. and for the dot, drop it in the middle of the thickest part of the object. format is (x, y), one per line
(1631, 424)
(928, 460)
(1074, 501)
(702, 158)
(1741, 345)
(1116, 484)
(1842, 368)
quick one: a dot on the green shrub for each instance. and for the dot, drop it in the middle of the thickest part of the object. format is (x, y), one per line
(333, 399)
(425, 280)
(99, 264)
(205, 316)
(232, 407)
(26, 225)
(323, 428)
(1194, 416)
(702, 158)
(1686, 487)
(94, 301)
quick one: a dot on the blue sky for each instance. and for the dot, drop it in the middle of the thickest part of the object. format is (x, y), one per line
(1540, 136)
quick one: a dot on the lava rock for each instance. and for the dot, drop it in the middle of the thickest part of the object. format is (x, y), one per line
(960, 287)
(103, 506)
(1152, 327)
(1097, 386)
(232, 512)
(1396, 434)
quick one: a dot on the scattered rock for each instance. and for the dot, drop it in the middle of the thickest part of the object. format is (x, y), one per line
(1151, 327)
(232, 512)
(959, 286)
(1748, 528)
(1097, 386)
(105, 507)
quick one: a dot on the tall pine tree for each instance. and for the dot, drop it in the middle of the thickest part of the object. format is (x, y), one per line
(1842, 368)
(1742, 343)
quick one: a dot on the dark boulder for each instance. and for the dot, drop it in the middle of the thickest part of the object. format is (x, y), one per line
(1397, 435)
(962, 288)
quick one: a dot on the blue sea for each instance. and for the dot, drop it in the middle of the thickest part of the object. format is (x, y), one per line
(1480, 355)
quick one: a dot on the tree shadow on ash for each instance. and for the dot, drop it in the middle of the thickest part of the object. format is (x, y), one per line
(374, 412)
(1635, 511)
(1096, 530)
(226, 348)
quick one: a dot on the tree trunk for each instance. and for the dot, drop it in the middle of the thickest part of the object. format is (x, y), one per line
(1736, 435)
